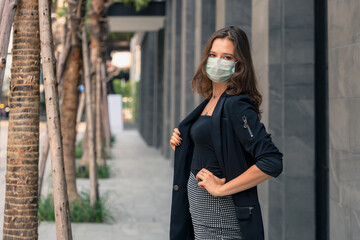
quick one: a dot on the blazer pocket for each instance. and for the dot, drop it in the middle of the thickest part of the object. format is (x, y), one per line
(243, 213)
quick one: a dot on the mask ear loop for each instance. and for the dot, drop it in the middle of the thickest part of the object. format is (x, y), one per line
(235, 65)
(234, 69)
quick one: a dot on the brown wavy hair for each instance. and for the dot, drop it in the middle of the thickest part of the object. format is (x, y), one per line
(243, 81)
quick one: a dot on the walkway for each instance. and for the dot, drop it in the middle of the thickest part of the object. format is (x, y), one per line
(139, 195)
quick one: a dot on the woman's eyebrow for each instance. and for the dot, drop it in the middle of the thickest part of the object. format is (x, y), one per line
(223, 53)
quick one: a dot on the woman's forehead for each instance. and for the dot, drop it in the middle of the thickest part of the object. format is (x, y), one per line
(222, 45)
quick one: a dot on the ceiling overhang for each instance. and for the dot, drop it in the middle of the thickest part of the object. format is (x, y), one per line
(135, 24)
(122, 18)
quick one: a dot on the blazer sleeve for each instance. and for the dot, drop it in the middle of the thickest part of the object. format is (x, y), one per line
(254, 138)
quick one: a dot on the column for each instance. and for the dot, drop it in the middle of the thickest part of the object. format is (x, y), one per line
(205, 18)
(291, 118)
(187, 56)
(260, 56)
(344, 118)
(166, 133)
(175, 65)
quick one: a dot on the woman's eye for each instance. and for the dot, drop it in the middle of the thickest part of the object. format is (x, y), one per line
(228, 58)
(212, 55)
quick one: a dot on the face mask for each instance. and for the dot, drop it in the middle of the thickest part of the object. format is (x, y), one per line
(219, 70)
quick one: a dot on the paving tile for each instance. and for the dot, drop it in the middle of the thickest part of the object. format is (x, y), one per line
(138, 195)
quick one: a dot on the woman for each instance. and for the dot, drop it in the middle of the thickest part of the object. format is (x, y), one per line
(222, 150)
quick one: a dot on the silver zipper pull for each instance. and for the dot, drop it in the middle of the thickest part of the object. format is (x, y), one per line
(250, 210)
(246, 125)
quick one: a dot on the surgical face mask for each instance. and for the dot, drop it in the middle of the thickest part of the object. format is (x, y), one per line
(219, 70)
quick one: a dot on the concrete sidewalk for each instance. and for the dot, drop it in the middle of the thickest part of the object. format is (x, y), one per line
(139, 195)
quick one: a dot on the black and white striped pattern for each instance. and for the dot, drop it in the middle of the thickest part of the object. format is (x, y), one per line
(213, 218)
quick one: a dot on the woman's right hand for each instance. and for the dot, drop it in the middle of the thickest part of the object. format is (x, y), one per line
(175, 140)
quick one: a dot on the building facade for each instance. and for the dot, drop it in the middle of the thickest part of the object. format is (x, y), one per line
(307, 60)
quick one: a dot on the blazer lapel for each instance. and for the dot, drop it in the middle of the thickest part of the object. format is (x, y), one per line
(193, 115)
(216, 129)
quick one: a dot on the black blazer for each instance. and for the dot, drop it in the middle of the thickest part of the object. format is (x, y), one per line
(240, 140)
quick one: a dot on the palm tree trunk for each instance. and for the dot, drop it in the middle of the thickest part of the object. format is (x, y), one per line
(98, 115)
(59, 74)
(98, 13)
(68, 118)
(105, 107)
(21, 197)
(2, 4)
(70, 95)
(95, 43)
(105, 120)
(61, 65)
(6, 17)
(94, 192)
(66, 44)
(61, 203)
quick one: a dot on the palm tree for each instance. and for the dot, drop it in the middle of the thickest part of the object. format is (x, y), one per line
(21, 197)
(98, 22)
(70, 95)
(68, 118)
(90, 141)
(61, 203)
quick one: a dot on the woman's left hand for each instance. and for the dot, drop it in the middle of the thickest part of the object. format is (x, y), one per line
(210, 182)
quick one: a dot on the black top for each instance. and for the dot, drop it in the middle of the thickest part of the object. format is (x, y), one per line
(204, 155)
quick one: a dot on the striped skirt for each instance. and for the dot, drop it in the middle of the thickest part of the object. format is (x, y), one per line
(213, 218)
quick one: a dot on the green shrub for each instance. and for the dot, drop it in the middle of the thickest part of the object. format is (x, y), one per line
(46, 209)
(112, 140)
(129, 89)
(78, 149)
(61, 11)
(80, 210)
(122, 87)
(103, 171)
(117, 86)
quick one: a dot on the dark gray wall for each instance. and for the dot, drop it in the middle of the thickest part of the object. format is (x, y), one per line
(151, 109)
(208, 20)
(238, 13)
(159, 118)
